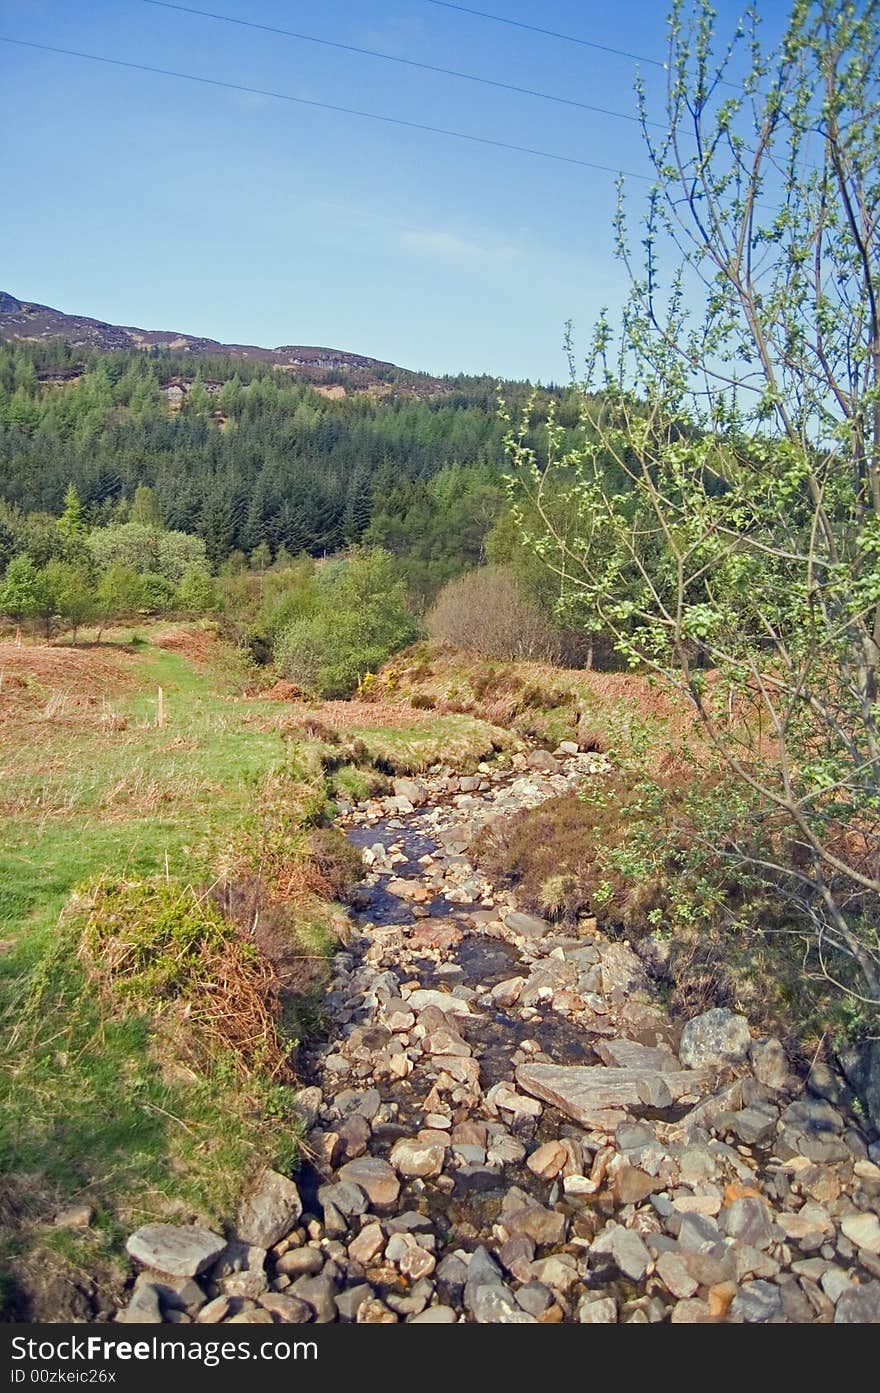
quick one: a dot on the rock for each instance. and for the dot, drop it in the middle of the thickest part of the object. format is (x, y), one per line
(691, 1312)
(417, 1262)
(674, 1275)
(413, 790)
(750, 1125)
(548, 1160)
(626, 1249)
(715, 1038)
(143, 1308)
(508, 992)
(482, 1270)
(601, 1311)
(375, 1177)
(367, 1245)
(300, 1262)
(434, 1315)
(308, 1104)
(859, 1306)
(347, 1198)
(270, 1211)
(215, 1311)
(749, 1221)
(769, 1062)
(450, 1005)
(545, 1227)
(526, 925)
(535, 1298)
(349, 1302)
(757, 1302)
(596, 1096)
(375, 1312)
(834, 1282)
(543, 762)
(497, 1305)
(241, 1270)
(179, 1250)
(808, 1226)
(287, 1308)
(632, 1185)
(78, 1216)
(319, 1293)
(354, 1132)
(629, 1054)
(559, 1271)
(864, 1231)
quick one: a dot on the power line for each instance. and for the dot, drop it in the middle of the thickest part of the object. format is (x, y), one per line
(325, 106)
(392, 58)
(551, 33)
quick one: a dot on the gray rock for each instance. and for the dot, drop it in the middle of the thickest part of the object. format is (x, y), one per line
(673, 1273)
(769, 1062)
(526, 925)
(375, 1177)
(319, 1293)
(411, 1157)
(626, 1249)
(270, 1211)
(535, 1298)
(300, 1262)
(597, 1312)
(859, 1306)
(698, 1233)
(345, 1196)
(750, 1125)
(143, 1308)
(597, 1096)
(715, 1038)
(434, 1315)
(748, 1221)
(180, 1250)
(412, 790)
(349, 1302)
(287, 1308)
(495, 1304)
(482, 1270)
(758, 1302)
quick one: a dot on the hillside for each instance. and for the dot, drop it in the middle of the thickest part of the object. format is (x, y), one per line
(25, 321)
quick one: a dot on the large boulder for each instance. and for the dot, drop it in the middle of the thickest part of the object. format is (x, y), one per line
(714, 1039)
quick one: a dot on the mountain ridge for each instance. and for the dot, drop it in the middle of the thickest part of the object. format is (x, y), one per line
(31, 322)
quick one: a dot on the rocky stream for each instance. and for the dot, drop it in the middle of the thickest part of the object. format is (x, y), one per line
(506, 1126)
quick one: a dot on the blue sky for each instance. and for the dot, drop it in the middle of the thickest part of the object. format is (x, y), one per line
(151, 201)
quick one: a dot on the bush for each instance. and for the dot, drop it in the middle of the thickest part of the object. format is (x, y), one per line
(359, 617)
(486, 612)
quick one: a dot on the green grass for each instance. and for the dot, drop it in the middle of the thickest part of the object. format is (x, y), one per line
(459, 740)
(95, 1101)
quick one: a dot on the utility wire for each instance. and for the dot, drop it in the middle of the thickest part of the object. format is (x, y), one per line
(551, 33)
(392, 58)
(325, 106)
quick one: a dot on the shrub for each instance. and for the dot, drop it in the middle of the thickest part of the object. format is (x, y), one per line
(486, 612)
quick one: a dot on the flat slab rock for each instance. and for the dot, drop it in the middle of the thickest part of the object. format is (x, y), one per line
(178, 1250)
(594, 1095)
